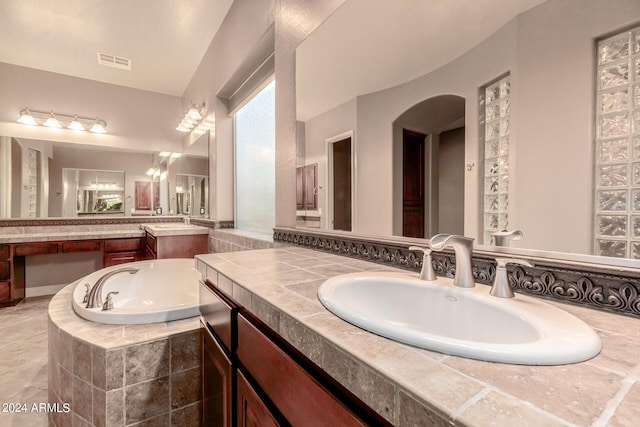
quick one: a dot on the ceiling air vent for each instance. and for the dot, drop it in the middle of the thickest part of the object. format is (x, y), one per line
(114, 61)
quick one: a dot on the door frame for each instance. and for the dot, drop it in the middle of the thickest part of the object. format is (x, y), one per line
(328, 222)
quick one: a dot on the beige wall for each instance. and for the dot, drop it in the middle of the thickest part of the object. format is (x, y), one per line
(135, 118)
(549, 52)
(247, 25)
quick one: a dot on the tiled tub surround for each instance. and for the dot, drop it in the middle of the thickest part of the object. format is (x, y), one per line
(122, 375)
(231, 240)
(411, 386)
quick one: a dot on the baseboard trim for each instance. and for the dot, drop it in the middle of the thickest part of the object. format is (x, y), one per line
(38, 291)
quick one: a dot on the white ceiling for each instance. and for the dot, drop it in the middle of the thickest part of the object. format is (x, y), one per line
(370, 45)
(165, 39)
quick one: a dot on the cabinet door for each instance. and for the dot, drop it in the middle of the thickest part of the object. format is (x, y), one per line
(300, 187)
(252, 412)
(296, 394)
(143, 195)
(217, 384)
(310, 186)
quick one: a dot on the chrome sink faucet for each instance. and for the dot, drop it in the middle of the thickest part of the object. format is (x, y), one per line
(462, 247)
(94, 299)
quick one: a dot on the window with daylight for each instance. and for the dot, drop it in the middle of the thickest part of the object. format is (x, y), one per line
(255, 163)
(494, 112)
(617, 154)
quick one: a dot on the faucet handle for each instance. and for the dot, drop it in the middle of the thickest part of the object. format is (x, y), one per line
(502, 238)
(501, 287)
(108, 304)
(427, 272)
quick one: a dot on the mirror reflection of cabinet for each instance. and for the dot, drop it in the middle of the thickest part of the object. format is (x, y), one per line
(307, 187)
(192, 195)
(143, 195)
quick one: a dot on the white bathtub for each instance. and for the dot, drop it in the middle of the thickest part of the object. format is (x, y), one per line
(161, 291)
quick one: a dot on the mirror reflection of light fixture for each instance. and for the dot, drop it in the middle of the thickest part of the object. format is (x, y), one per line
(151, 171)
(191, 118)
(57, 120)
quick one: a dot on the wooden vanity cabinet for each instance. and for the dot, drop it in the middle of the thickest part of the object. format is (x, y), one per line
(287, 383)
(218, 316)
(120, 251)
(5, 273)
(175, 246)
(250, 370)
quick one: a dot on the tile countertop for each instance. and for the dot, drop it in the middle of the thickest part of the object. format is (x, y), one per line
(405, 384)
(168, 229)
(71, 234)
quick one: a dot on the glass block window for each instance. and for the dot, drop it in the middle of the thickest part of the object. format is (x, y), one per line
(495, 109)
(617, 183)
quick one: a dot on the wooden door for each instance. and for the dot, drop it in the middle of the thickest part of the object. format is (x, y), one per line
(413, 185)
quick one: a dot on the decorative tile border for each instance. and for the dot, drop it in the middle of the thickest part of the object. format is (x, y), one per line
(39, 222)
(596, 286)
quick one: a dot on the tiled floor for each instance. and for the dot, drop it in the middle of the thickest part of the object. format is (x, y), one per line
(23, 362)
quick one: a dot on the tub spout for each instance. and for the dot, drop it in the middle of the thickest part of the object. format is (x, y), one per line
(95, 294)
(462, 247)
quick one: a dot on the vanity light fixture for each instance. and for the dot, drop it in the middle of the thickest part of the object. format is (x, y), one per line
(26, 118)
(57, 120)
(98, 127)
(75, 124)
(191, 118)
(52, 122)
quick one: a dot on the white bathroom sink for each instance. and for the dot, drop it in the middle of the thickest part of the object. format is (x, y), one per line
(463, 322)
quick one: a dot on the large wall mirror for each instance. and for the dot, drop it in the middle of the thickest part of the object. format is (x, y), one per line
(56, 179)
(416, 85)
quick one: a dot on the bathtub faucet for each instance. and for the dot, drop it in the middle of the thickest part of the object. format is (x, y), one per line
(95, 294)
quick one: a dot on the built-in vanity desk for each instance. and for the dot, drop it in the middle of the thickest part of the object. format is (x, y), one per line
(118, 243)
(410, 386)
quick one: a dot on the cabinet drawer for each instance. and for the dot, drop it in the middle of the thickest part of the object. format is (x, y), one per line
(120, 258)
(298, 396)
(4, 251)
(24, 249)
(5, 270)
(80, 246)
(122, 245)
(218, 314)
(5, 291)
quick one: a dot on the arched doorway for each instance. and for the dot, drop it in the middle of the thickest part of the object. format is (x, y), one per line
(428, 168)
